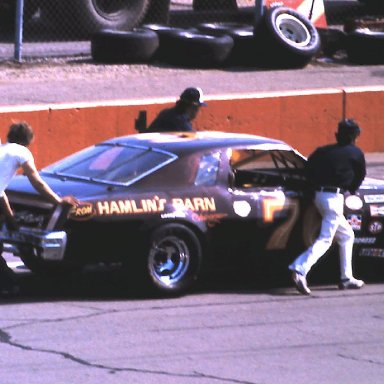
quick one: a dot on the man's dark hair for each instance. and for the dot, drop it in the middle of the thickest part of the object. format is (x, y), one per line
(347, 131)
(20, 133)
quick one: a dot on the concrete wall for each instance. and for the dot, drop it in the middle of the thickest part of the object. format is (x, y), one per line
(304, 119)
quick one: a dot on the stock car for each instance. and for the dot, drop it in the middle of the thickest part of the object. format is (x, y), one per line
(169, 206)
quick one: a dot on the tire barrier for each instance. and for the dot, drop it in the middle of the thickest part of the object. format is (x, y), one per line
(137, 46)
(283, 39)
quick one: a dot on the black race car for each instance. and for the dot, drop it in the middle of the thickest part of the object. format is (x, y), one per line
(170, 205)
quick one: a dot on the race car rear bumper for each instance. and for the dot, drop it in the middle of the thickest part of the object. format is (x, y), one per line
(49, 245)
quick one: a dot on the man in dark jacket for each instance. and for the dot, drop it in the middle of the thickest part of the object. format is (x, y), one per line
(333, 170)
(179, 117)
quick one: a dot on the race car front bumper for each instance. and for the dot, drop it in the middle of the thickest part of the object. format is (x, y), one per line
(49, 245)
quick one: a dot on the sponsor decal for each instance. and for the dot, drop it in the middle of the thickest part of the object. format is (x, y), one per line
(355, 221)
(242, 208)
(154, 205)
(365, 240)
(174, 215)
(82, 211)
(377, 210)
(354, 202)
(25, 217)
(211, 219)
(375, 227)
(371, 252)
(374, 199)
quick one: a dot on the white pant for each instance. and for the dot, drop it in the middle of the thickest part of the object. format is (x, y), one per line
(334, 226)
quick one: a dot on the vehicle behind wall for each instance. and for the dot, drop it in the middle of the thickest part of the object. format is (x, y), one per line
(88, 16)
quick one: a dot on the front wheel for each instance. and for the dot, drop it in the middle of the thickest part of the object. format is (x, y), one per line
(37, 265)
(174, 258)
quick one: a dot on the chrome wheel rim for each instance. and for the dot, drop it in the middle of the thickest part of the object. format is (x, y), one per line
(169, 260)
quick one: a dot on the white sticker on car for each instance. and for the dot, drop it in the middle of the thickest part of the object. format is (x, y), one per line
(242, 208)
(374, 199)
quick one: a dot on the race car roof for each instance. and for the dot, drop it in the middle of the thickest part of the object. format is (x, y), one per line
(192, 141)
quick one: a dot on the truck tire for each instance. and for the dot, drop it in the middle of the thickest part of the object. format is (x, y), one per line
(86, 17)
(196, 50)
(136, 46)
(286, 39)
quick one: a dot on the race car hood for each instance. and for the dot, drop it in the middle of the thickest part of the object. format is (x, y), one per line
(82, 190)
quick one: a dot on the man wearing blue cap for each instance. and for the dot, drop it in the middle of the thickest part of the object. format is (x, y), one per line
(333, 170)
(179, 117)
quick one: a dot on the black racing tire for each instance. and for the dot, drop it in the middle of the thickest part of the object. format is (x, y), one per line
(163, 31)
(173, 259)
(244, 49)
(364, 46)
(286, 39)
(136, 46)
(196, 50)
(223, 28)
(86, 17)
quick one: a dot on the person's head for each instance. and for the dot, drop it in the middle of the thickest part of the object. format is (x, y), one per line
(347, 131)
(20, 133)
(190, 101)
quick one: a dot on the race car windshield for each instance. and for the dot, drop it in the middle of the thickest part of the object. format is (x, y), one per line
(113, 164)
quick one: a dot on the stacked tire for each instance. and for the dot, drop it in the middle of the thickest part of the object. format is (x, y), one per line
(365, 40)
(136, 46)
(284, 38)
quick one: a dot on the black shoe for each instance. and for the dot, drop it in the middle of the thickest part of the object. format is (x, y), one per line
(301, 283)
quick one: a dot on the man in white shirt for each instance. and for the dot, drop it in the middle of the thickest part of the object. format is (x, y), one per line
(14, 154)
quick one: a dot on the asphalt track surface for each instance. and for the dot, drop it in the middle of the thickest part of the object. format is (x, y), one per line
(74, 81)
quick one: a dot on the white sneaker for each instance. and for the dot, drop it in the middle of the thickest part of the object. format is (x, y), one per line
(301, 283)
(351, 284)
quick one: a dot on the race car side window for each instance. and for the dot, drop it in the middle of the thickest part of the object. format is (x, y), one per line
(208, 169)
(257, 168)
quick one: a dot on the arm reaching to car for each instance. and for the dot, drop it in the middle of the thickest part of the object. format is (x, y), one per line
(42, 187)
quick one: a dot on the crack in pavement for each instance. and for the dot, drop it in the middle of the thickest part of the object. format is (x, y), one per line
(359, 359)
(5, 338)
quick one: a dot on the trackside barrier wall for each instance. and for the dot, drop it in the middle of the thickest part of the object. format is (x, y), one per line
(304, 119)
